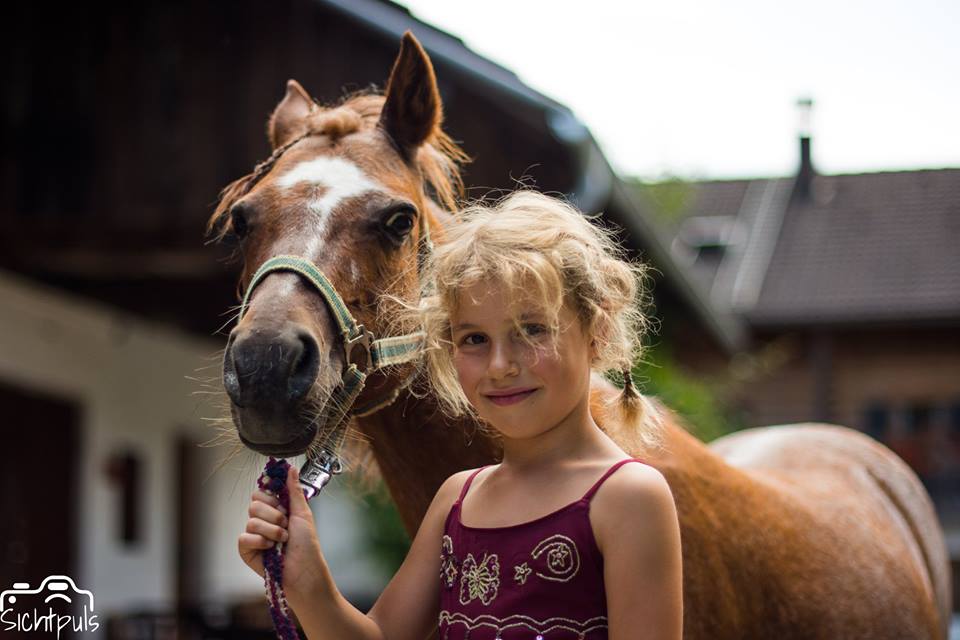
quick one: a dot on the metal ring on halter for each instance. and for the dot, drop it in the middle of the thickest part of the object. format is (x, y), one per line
(316, 472)
(364, 340)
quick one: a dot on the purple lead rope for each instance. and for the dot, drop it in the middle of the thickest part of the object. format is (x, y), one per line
(274, 480)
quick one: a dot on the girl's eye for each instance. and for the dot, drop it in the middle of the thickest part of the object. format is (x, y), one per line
(476, 339)
(534, 329)
(467, 339)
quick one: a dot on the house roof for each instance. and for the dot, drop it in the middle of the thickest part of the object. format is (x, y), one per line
(863, 248)
(877, 246)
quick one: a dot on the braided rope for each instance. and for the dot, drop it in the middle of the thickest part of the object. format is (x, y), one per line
(274, 480)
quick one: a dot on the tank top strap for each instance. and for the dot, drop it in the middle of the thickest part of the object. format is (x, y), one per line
(466, 485)
(596, 485)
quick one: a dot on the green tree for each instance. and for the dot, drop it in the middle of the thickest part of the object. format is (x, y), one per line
(383, 534)
(669, 199)
(697, 401)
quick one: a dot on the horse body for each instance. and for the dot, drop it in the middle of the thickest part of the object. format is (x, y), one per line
(855, 528)
(796, 531)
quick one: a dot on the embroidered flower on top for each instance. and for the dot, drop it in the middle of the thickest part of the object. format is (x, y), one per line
(448, 563)
(521, 572)
(558, 557)
(479, 580)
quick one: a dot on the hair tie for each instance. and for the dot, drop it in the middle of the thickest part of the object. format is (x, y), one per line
(628, 387)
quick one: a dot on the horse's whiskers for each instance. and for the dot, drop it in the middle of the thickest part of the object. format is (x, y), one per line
(206, 392)
(231, 320)
(232, 309)
(216, 356)
(237, 450)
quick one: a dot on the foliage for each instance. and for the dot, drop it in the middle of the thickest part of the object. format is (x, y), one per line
(696, 401)
(669, 200)
(383, 534)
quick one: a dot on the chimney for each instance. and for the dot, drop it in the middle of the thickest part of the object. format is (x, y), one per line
(805, 173)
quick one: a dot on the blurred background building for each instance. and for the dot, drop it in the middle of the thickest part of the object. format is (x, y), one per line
(850, 288)
(803, 297)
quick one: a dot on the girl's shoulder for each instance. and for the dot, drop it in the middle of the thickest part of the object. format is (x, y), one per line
(635, 495)
(452, 488)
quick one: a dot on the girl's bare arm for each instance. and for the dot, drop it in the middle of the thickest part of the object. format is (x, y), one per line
(408, 606)
(635, 521)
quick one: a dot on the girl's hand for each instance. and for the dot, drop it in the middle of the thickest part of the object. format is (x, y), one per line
(268, 524)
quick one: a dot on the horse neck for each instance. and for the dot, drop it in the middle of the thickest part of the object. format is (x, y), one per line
(416, 449)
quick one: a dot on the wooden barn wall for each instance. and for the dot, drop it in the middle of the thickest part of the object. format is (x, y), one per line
(122, 123)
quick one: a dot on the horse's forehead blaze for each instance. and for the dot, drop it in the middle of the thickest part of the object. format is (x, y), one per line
(340, 178)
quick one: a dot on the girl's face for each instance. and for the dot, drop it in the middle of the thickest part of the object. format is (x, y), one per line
(519, 388)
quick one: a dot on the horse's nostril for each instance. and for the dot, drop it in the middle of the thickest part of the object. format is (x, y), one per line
(231, 381)
(270, 373)
(305, 366)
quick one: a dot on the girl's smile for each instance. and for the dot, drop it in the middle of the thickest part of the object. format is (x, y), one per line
(507, 397)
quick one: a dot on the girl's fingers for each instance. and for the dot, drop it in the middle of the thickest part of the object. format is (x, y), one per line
(267, 530)
(254, 541)
(268, 513)
(260, 496)
(251, 547)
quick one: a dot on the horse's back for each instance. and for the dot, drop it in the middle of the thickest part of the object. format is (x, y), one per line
(862, 491)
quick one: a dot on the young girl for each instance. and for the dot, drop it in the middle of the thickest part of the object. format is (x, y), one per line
(561, 540)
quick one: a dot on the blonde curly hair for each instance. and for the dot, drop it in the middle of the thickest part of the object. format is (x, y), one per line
(543, 249)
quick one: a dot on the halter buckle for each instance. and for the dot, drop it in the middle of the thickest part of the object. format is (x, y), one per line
(364, 339)
(316, 472)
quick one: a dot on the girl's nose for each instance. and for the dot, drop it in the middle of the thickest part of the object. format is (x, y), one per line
(502, 361)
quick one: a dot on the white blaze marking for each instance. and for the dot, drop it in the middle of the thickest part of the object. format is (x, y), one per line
(342, 178)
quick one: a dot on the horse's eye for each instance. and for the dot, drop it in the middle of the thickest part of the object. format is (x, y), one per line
(239, 220)
(399, 221)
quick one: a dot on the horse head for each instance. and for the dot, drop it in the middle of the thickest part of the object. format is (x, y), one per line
(351, 190)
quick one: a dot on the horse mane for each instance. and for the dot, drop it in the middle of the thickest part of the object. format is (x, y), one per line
(438, 159)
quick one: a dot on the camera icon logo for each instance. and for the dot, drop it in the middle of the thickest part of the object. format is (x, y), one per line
(52, 589)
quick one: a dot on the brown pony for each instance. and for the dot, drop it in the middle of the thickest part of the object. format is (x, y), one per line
(792, 531)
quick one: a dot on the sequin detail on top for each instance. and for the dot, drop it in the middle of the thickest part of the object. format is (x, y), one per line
(448, 563)
(556, 591)
(540, 627)
(521, 572)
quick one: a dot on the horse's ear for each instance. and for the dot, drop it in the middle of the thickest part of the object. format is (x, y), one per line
(412, 110)
(287, 120)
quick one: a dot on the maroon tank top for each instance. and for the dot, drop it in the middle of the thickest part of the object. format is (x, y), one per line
(537, 580)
